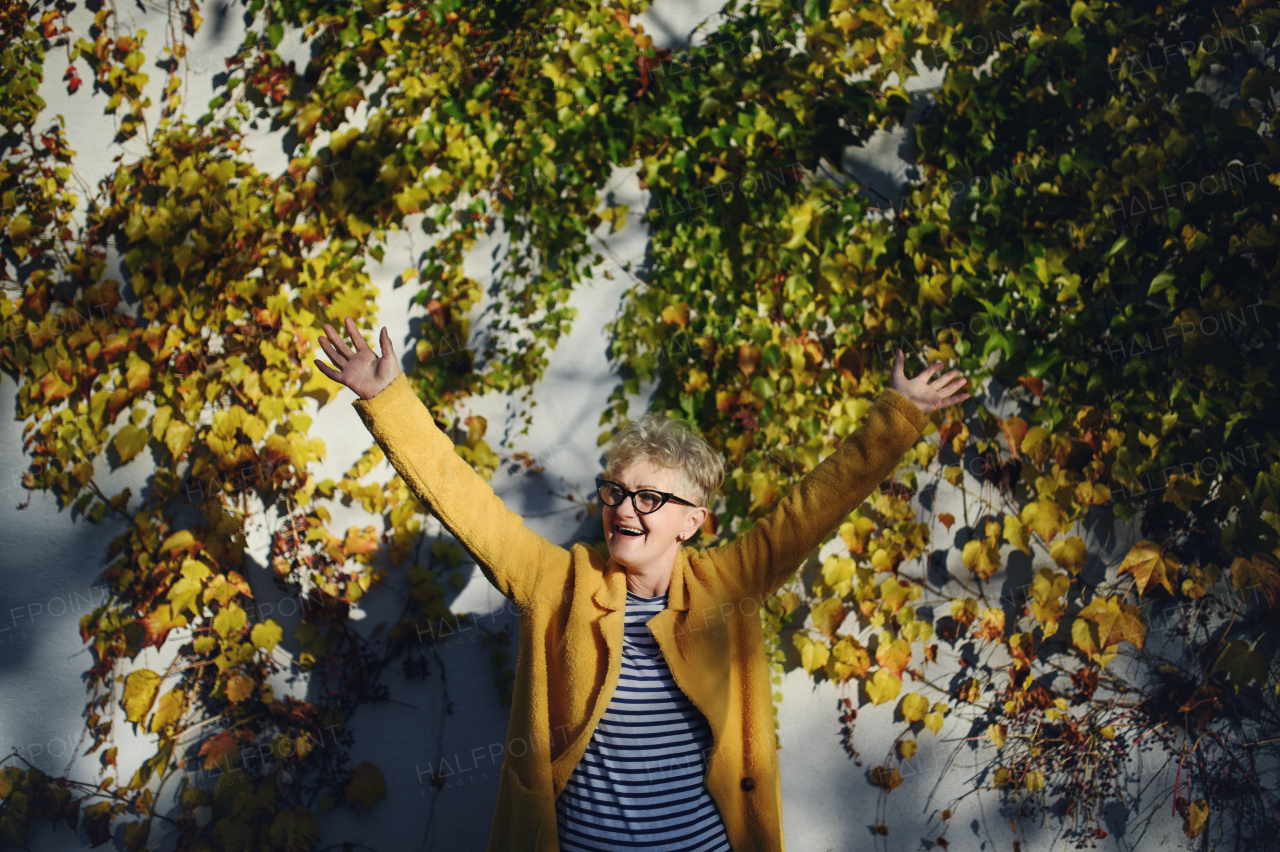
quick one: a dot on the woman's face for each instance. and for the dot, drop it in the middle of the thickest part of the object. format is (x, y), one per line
(649, 542)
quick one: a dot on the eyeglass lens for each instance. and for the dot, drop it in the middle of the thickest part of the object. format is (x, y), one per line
(645, 501)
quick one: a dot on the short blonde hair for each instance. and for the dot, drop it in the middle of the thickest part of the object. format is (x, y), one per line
(671, 444)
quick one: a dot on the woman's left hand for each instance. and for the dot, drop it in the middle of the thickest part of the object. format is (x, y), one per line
(928, 397)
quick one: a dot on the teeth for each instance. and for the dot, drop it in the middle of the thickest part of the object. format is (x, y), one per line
(629, 529)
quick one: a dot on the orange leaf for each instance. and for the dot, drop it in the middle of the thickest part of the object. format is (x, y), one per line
(220, 750)
(883, 776)
(677, 314)
(894, 656)
(1015, 429)
(992, 627)
(1036, 386)
(1260, 573)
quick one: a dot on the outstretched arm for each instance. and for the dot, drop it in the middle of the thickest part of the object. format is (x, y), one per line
(519, 562)
(758, 562)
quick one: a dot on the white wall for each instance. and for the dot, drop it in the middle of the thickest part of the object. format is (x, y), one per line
(50, 567)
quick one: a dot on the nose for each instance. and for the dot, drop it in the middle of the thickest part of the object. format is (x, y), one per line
(625, 511)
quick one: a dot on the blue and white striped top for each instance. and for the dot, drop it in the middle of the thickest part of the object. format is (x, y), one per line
(640, 784)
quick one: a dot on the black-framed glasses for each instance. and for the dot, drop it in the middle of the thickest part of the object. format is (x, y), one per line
(645, 501)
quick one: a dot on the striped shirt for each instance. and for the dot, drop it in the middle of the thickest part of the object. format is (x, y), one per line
(640, 784)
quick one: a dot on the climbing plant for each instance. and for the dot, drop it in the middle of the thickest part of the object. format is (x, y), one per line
(1131, 355)
(776, 286)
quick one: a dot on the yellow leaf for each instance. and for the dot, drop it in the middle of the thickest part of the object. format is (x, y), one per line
(997, 733)
(849, 659)
(908, 748)
(933, 721)
(914, 706)
(140, 689)
(169, 710)
(129, 441)
(366, 785)
(1197, 816)
(177, 437)
(1036, 444)
(239, 688)
(1082, 637)
(179, 540)
(895, 592)
(981, 556)
(1003, 777)
(1144, 561)
(828, 615)
(185, 594)
(883, 687)
(266, 634)
(1034, 781)
(813, 655)
(1016, 534)
(1069, 553)
(1044, 517)
(228, 620)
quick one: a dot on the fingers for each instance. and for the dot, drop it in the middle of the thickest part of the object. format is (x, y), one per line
(336, 343)
(385, 340)
(332, 351)
(327, 370)
(356, 337)
(943, 379)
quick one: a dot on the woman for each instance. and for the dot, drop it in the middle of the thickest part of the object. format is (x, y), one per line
(642, 713)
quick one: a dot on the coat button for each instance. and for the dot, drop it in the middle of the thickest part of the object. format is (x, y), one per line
(748, 784)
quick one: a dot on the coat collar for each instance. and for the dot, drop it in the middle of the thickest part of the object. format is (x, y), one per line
(612, 591)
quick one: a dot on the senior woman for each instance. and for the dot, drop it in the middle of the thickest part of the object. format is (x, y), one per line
(642, 714)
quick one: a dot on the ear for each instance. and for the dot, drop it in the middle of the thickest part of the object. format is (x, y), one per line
(693, 522)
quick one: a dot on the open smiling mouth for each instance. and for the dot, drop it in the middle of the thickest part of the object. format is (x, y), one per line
(630, 532)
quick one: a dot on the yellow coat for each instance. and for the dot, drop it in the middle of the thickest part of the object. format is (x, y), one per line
(572, 604)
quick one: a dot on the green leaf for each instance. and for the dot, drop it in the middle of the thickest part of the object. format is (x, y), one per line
(1241, 664)
(1161, 282)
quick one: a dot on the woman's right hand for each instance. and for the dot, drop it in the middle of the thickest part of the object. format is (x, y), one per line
(358, 369)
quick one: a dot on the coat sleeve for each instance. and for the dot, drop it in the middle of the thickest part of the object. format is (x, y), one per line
(520, 563)
(758, 562)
